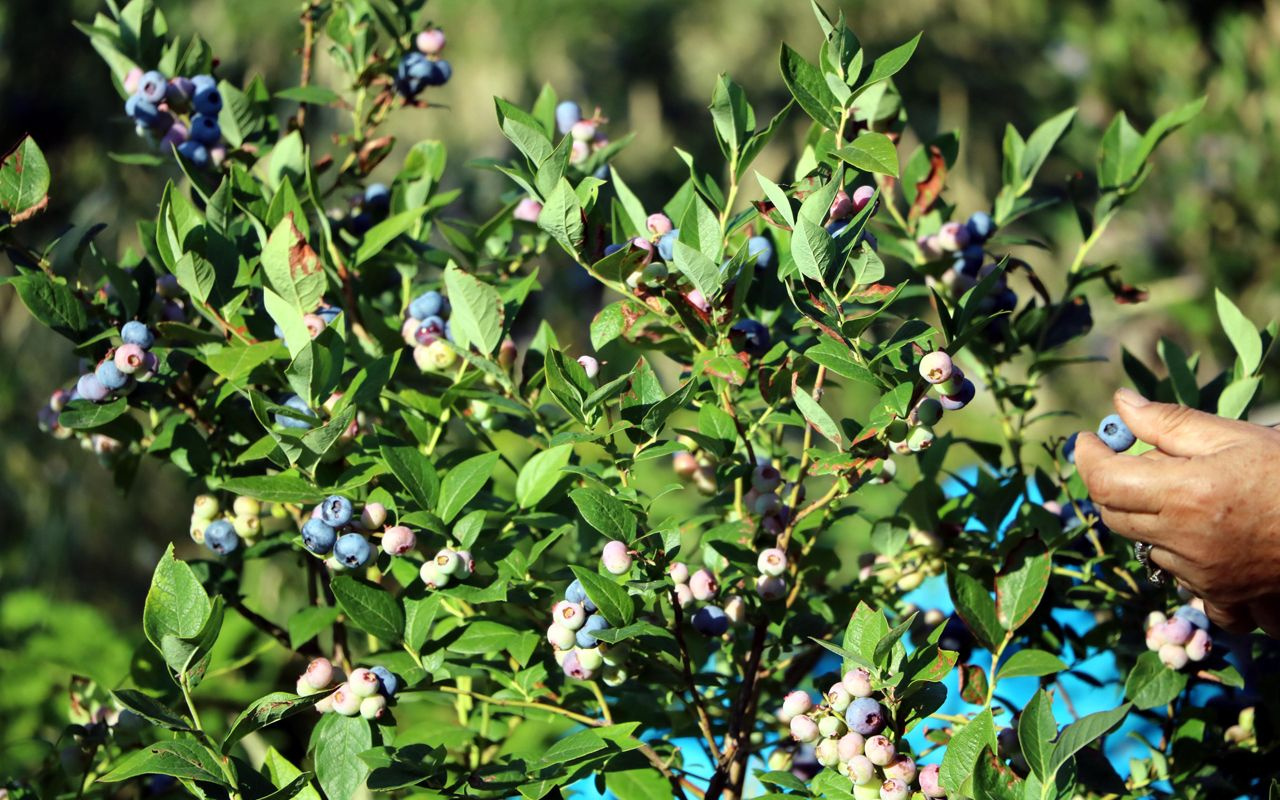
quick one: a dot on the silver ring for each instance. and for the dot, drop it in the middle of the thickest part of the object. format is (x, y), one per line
(1155, 575)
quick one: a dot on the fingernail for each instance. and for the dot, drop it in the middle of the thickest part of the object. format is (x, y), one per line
(1131, 398)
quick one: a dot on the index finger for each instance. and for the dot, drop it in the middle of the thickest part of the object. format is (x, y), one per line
(1125, 483)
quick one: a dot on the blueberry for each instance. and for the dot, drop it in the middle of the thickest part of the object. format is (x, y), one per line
(206, 98)
(612, 248)
(575, 593)
(352, 550)
(936, 367)
(1195, 616)
(865, 716)
(143, 112)
(135, 332)
(1115, 434)
(616, 557)
(1069, 448)
(431, 329)
(567, 115)
(335, 511)
(443, 72)
(710, 621)
(297, 404)
(667, 245)
(205, 129)
(428, 304)
(388, 683)
(961, 398)
(152, 86)
(91, 389)
(377, 196)
(750, 336)
(220, 537)
(586, 634)
(318, 537)
(980, 226)
(772, 562)
(194, 152)
(969, 261)
(110, 376)
(761, 249)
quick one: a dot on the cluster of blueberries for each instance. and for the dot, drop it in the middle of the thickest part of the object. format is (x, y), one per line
(422, 66)
(367, 209)
(587, 135)
(769, 499)
(575, 621)
(333, 530)
(702, 587)
(131, 361)
(222, 532)
(316, 321)
(447, 566)
(915, 433)
(426, 330)
(699, 470)
(1179, 639)
(845, 731)
(365, 692)
(158, 106)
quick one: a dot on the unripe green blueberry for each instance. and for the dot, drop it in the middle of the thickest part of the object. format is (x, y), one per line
(246, 507)
(1173, 656)
(1247, 718)
(247, 528)
(827, 752)
(804, 729)
(373, 707)
(780, 760)
(571, 615)
(879, 750)
(910, 581)
(590, 657)
(346, 702)
(466, 565)
(1156, 618)
(614, 675)
(764, 478)
(432, 576)
(920, 439)
(886, 472)
(373, 516)
(839, 698)
(858, 682)
(894, 789)
(303, 689)
(447, 562)
(561, 637)
(793, 705)
(325, 704)
(703, 585)
(897, 430)
(861, 771)
(363, 682)
(936, 367)
(1199, 646)
(615, 655)
(952, 384)
(771, 588)
(766, 504)
(205, 507)
(616, 558)
(319, 673)
(852, 745)
(934, 617)
(927, 412)
(831, 726)
(902, 768)
(1236, 734)
(678, 572)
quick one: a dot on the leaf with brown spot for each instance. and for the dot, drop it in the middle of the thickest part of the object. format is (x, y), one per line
(24, 181)
(928, 189)
(292, 269)
(973, 684)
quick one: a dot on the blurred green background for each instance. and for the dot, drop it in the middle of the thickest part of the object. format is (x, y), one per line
(1208, 217)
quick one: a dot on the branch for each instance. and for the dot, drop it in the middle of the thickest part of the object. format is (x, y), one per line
(704, 721)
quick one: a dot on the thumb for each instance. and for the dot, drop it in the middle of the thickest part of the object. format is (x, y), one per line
(1178, 430)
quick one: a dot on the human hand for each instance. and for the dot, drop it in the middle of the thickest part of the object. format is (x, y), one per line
(1206, 499)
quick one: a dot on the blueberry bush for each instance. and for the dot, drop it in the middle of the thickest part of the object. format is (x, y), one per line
(469, 560)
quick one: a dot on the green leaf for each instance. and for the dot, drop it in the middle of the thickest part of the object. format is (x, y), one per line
(85, 415)
(702, 272)
(419, 616)
(568, 383)
(817, 417)
(464, 482)
(871, 152)
(866, 628)
(812, 249)
(176, 609)
(612, 600)
(1235, 399)
(808, 87)
(974, 605)
(1244, 337)
(572, 747)
(284, 487)
(1021, 583)
(838, 358)
(337, 742)
(314, 95)
(888, 65)
(731, 113)
(540, 474)
(561, 217)
(477, 311)
(1036, 731)
(292, 268)
(264, 711)
(779, 199)
(1082, 732)
(284, 774)
(483, 636)
(1037, 148)
(994, 780)
(605, 513)
(415, 473)
(642, 783)
(631, 206)
(1030, 664)
(964, 749)
(524, 131)
(1181, 372)
(151, 709)
(306, 624)
(53, 303)
(288, 157)
(371, 608)
(181, 758)
(1151, 684)
(24, 181)
(884, 647)
(376, 239)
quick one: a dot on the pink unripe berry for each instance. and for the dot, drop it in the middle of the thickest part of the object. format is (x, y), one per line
(130, 358)
(319, 673)
(584, 130)
(131, 80)
(591, 365)
(765, 478)
(1155, 637)
(841, 206)
(1199, 646)
(684, 596)
(466, 564)
(795, 704)
(894, 789)
(858, 682)
(827, 752)
(698, 300)
(616, 559)
(528, 210)
(432, 576)
(658, 224)
(507, 353)
(929, 248)
(363, 682)
(430, 42)
(861, 771)
(936, 367)
(409, 331)
(703, 585)
(1177, 631)
(930, 782)
(573, 667)
(880, 750)
(861, 196)
(679, 572)
(772, 562)
(315, 324)
(561, 637)
(851, 745)
(684, 464)
(771, 588)
(571, 615)
(325, 704)
(398, 540)
(953, 236)
(1173, 656)
(346, 702)
(373, 707)
(902, 768)
(804, 729)
(373, 516)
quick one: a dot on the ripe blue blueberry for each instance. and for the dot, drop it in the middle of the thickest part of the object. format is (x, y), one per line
(151, 87)
(220, 537)
(761, 249)
(377, 196)
(1069, 448)
(586, 634)
(667, 245)
(1115, 434)
(205, 129)
(318, 537)
(710, 621)
(567, 115)
(91, 389)
(352, 550)
(110, 376)
(865, 716)
(442, 73)
(961, 398)
(143, 112)
(135, 332)
(194, 152)
(428, 304)
(969, 260)
(388, 683)
(335, 510)
(1195, 616)
(299, 405)
(980, 226)
(750, 336)
(206, 99)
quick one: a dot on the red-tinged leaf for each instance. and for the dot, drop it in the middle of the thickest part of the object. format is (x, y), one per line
(973, 684)
(928, 189)
(872, 293)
